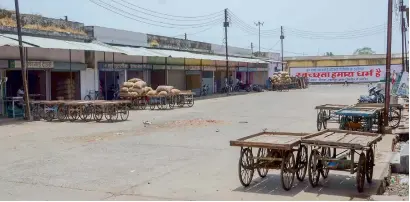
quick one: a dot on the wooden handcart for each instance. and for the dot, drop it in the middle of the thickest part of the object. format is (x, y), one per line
(137, 102)
(162, 102)
(395, 112)
(185, 98)
(275, 151)
(48, 109)
(361, 118)
(326, 113)
(111, 110)
(352, 143)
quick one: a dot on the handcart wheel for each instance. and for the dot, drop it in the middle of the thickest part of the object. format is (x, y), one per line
(313, 169)
(144, 103)
(111, 114)
(325, 164)
(369, 165)
(191, 101)
(287, 171)
(262, 170)
(246, 167)
(62, 113)
(301, 162)
(180, 100)
(36, 112)
(394, 119)
(319, 121)
(49, 116)
(342, 123)
(85, 112)
(361, 172)
(98, 113)
(324, 120)
(73, 113)
(124, 112)
(172, 102)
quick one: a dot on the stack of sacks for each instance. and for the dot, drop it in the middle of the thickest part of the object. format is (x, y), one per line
(167, 90)
(133, 88)
(280, 77)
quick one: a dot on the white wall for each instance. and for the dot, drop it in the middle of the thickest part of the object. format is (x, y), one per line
(88, 80)
(117, 36)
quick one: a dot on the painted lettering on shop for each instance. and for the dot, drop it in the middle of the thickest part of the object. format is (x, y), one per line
(34, 64)
(116, 66)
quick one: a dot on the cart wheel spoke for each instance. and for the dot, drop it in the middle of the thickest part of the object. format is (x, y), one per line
(394, 119)
(369, 165)
(98, 113)
(124, 112)
(313, 168)
(325, 164)
(287, 170)
(319, 121)
(301, 162)
(361, 172)
(324, 119)
(262, 170)
(246, 167)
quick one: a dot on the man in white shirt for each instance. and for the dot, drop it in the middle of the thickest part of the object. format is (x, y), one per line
(20, 92)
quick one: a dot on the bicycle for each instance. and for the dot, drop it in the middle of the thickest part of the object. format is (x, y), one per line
(93, 95)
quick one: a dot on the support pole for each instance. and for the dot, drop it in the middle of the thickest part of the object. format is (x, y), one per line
(281, 43)
(388, 63)
(71, 74)
(23, 63)
(226, 25)
(403, 32)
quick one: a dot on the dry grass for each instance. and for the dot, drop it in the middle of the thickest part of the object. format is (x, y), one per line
(11, 23)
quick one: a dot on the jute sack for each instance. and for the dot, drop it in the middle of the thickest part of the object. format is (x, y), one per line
(165, 88)
(175, 91)
(134, 80)
(163, 93)
(128, 84)
(136, 90)
(123, 94)
(152, 92)
(147, 89)
(133, 94)
(123, 89)
(140, 84)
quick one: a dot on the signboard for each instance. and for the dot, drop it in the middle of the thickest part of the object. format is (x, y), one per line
(110, 66)
(4, 64)
(32, 64)
(374, 73)
(193, 68)
(177, 44)
(175, 67)
(210, 69)
(231, 69)
(403, 85)
(140, 66)
(260, 69)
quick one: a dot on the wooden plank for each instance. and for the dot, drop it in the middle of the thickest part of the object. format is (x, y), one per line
(323, 136)
(334, 137)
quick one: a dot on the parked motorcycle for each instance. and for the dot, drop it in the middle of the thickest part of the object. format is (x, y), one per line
(375, 96)
(204, 90)
(242, 86)
(227, 89)
(257, 88)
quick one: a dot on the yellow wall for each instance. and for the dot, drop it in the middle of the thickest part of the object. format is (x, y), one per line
(338, 63)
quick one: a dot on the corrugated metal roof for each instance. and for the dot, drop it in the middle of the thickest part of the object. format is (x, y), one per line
(138, 51)
(4, 41)
(185, 54)
(63, 44)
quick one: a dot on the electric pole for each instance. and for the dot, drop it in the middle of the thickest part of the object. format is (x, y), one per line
(252, 48)
(403, 32)
(226, 25)
(388, 63)
(186, 37)
(259, 24)
(23, 62)
(281, 43)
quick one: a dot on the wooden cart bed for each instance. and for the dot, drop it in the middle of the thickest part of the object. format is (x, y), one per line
(359, 111)
(378, 105)
(272, 140)
(331, 106)
(342, 139)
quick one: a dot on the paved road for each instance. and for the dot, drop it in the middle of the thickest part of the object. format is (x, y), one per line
(166, 160)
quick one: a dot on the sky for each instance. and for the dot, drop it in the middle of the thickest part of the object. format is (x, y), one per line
(311, 27)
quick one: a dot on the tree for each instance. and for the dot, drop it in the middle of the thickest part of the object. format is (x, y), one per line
(364, 51)
(329, 54)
